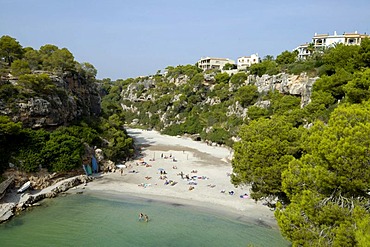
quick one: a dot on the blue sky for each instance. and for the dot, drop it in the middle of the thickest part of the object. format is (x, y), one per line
(130, 38)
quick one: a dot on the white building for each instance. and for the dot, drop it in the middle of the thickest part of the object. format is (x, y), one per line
(323, 41)
(208, 63)
(303, 51)
(245, 62)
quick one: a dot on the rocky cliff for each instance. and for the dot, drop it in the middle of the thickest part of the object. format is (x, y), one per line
(162, 102)
(72, 97)
(298, 85)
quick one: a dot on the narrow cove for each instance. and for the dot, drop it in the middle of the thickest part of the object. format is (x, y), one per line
(88, 220)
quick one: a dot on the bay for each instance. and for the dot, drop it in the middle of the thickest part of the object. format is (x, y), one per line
(90, 220)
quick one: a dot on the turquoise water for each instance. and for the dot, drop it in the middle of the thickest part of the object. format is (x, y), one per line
(85, 220)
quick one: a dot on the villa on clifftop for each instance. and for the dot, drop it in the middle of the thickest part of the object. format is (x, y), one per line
(243, 63)
(208, 63)
(323, 41)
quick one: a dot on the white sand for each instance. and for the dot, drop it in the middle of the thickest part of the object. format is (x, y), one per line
(210, 162)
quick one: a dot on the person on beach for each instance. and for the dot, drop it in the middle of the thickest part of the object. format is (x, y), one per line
(121, 171)
(146, 218)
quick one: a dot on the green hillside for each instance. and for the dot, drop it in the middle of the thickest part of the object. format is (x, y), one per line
(310, 161)
(299, 129)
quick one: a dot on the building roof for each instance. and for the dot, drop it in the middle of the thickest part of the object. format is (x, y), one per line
(215, 58)
(355, 35)
(304, 45)
(320, 35)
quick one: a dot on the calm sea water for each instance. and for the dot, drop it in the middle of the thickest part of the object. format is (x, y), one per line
(86, 220)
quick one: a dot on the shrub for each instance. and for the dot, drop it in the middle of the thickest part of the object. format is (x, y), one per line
(62, 152)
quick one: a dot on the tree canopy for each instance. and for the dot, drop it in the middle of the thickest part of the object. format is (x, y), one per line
(265, 145)
(328, 186)
(10, 49)
(48, 58)
(286, 57)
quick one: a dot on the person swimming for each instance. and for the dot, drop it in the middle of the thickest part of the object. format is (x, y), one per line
(146, 218)
(141, 216)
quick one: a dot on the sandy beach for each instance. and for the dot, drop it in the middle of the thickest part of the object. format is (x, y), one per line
(180, 170)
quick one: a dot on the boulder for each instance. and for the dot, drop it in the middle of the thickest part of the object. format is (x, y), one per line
(6, 211)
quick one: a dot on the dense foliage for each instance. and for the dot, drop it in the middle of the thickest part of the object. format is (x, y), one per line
(262, 155)
(18, 60)
(319, 176)
(62, 149)
(332, 178)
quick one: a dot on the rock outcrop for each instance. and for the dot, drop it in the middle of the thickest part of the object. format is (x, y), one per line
(299, 85)
(7, 210)
(72, 98)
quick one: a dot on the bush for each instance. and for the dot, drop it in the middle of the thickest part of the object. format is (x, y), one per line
(255, 112)
(8, 92)
(29, 161)
(173, 130)
(302, 66)
(38, 83)
(192, 125)
(62, 152)
(85, 134)
(219, 135)
(20, 67)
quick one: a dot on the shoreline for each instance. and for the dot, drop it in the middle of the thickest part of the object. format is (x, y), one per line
(15, 202)
(207, 189)
(208, 168)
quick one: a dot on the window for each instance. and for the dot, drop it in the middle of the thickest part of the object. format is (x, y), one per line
(351, 41)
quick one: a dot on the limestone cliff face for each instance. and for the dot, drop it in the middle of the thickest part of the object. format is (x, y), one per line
(171, 101)
(299, 85)
(73, 98)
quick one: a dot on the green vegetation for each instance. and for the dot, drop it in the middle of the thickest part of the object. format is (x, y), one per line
(328, 186)
(62, 149)
(262, 155)
(10, 49)
(310, 163)
(267, 66)
(319, 176)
